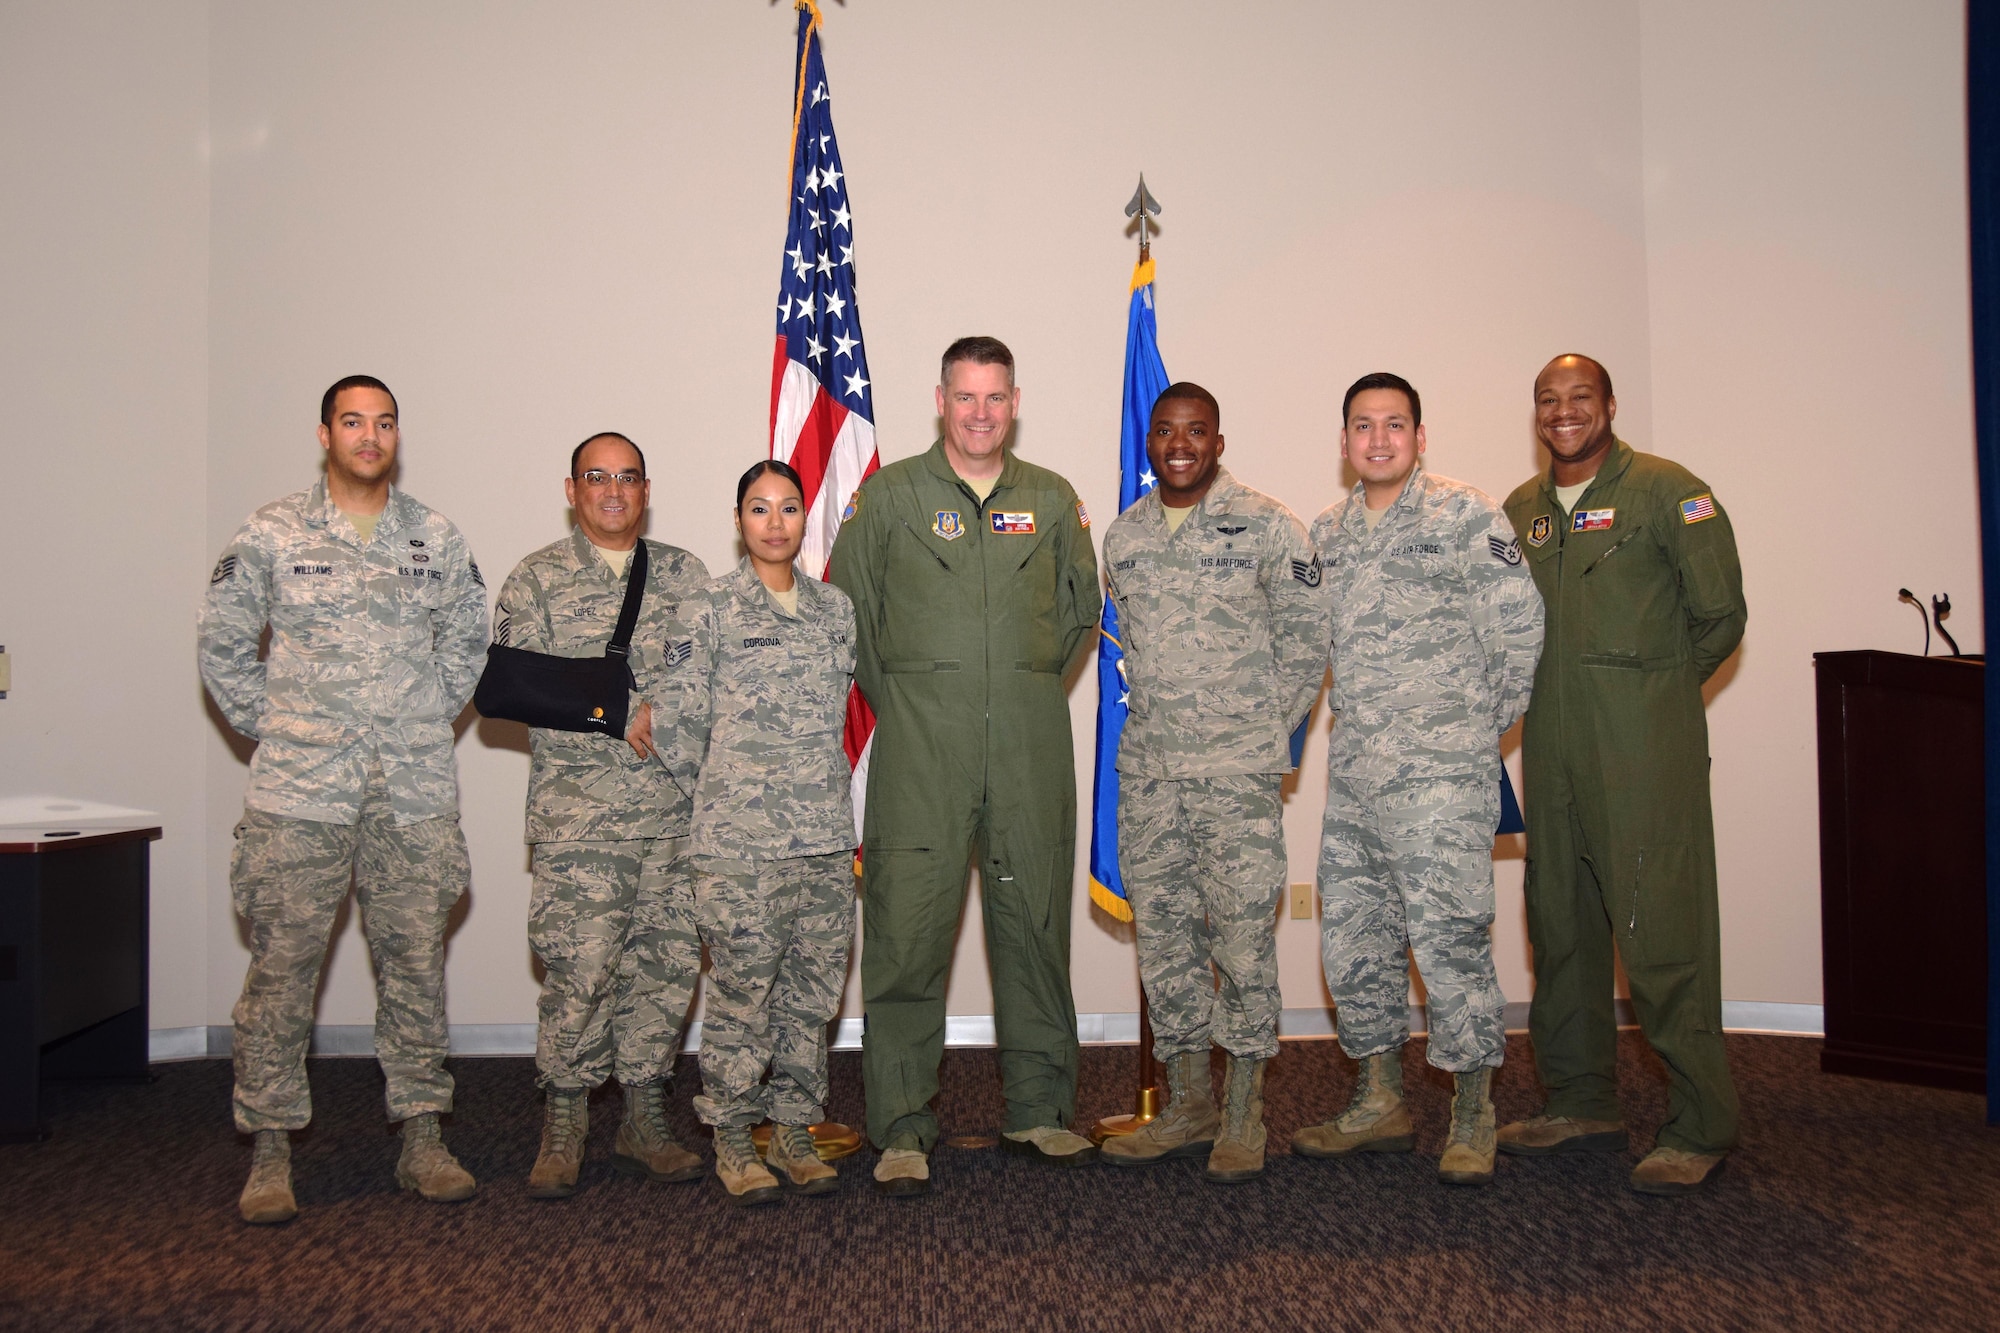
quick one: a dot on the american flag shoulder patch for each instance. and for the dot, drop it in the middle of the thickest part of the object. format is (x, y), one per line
(1082, 514)
(1507, 552)
(1697, 509)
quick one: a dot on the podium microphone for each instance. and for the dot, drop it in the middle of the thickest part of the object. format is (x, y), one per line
(1940, 608)
(1905, 595)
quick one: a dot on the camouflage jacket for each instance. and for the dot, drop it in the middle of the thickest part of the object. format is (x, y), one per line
(762, 708)
(1224, 629)
(1437, 627)
(564, 600)
(374, 648)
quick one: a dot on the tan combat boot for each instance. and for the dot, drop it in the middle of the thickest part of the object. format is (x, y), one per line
(565, 1122)
(1546, 1135)
(796, 1162)
(903, 1173)
(1238, 1154)
(1375, 1119)
(737, 1167)
(1186, 1128)
(428, 1167)
(1468, 1152)
(1673, 1171)
(645, 1146)
(267, 1195)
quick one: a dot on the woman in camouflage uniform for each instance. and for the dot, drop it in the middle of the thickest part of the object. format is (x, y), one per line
(765, 681)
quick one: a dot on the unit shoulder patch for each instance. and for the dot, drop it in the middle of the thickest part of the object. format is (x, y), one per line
(1700, 508)
(853, 506)
(1540, 530)
(948, 524)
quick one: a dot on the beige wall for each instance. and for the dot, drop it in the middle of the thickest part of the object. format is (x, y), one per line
(103, 450)
(537, 222)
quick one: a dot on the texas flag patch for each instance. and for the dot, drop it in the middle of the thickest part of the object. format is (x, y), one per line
(1018, 523)
(1592, 520)
(1697, 509)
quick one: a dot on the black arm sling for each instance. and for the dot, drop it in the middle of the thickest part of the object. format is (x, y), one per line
(590, 694)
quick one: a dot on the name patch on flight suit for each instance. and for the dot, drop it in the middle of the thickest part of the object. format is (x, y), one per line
(948, 525)
(1540, 530)
(1592, 520)
(1004, 522)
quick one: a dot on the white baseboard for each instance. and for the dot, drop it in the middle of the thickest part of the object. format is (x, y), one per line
(518, 1039)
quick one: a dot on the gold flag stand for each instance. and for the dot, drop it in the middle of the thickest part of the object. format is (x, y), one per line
(1149, 1092)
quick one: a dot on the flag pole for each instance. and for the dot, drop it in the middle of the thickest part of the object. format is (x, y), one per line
(1147, 1101)
(831, 1139)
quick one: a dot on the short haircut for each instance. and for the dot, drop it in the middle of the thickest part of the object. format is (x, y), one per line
(765, 466)
(1603, 375)
(353, 382)
(980, 351)
(1189, 389)
(1382, 379)
(577, 452)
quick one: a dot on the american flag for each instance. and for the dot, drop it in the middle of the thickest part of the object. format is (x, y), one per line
(822, 413)
(1697, 509)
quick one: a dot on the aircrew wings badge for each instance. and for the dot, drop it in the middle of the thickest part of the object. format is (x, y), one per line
(1540, 530)
(1004, 522)
(948, 525)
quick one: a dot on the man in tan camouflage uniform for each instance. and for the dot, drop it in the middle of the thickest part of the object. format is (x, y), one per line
(377, 616)
(611, 913)
(1436, 630)
(1225, 630)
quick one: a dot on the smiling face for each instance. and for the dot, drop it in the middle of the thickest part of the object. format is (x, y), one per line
(1573, 416)
(772, 521)
(977, 403)
(1382, 443)
(609, 513)
(1184, 445)
(361, 440)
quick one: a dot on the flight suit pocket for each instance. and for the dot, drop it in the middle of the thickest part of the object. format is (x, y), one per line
(1659, 908)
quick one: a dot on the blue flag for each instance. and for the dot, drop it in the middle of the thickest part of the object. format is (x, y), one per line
(1145, 379)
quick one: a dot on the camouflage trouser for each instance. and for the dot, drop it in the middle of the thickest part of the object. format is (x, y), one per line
(778, 934)
(287, 878)
(613, 926)
(1204, 866)
(1406, 868)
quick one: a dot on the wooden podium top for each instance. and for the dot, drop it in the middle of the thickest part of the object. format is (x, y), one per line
(34, 839)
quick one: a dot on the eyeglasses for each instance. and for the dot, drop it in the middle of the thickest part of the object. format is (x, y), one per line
(599, 478)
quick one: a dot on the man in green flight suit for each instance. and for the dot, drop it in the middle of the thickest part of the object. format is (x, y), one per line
(974, 588)
(1637, 565)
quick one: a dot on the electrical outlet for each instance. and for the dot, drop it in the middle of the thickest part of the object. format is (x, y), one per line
(6, 671)
(1302, 902)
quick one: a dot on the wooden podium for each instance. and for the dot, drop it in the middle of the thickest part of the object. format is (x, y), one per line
(1903, 866)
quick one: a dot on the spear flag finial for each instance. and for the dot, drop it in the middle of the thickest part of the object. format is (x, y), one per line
(1143, 204)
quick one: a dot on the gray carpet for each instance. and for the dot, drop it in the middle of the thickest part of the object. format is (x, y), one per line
(1853, 1205)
